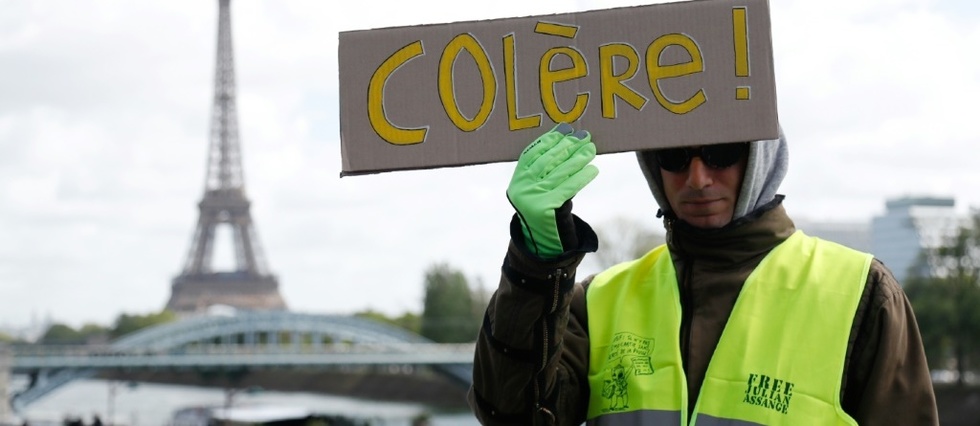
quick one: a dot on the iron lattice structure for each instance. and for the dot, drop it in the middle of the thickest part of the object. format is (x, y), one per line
(250, 286)
(211, 332)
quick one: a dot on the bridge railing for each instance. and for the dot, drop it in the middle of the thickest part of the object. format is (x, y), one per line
(84, 351)
(261, 339)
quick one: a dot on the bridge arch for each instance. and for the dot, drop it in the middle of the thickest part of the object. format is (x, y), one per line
(173, 336)
(340, 328)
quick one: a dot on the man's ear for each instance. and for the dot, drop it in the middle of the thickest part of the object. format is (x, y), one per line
(651, 171)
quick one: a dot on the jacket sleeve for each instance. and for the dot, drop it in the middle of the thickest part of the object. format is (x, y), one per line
(531, 360)
(887, 381)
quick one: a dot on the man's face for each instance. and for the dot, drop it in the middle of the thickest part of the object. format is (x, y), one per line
(704, 196)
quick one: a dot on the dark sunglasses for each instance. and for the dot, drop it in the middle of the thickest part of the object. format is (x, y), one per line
(719, 156)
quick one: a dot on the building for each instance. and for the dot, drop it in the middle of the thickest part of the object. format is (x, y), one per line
(250, 285)
(897, 237)
(909, 225)
(856, 235)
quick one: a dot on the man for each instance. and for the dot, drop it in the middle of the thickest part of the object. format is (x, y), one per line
(739, 319)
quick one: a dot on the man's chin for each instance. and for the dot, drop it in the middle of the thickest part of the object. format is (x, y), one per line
(707, 221)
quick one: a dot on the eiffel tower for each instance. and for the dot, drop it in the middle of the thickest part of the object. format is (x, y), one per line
(250, 286)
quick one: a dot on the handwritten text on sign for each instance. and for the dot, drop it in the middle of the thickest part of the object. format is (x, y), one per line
(477, 92)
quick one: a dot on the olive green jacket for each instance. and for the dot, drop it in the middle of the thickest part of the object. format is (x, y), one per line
(532, 355)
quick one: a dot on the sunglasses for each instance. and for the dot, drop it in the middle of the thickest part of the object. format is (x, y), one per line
(719, 156)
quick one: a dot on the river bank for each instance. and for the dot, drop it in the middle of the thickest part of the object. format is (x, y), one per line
(417, 385)
(150, 404)
(146, 403)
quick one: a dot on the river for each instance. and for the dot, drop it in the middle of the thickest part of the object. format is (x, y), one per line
(149, 404)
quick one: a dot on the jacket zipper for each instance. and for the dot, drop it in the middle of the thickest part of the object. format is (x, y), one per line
(684, 284)
(686, 314)
(687, 317)
(545, 338)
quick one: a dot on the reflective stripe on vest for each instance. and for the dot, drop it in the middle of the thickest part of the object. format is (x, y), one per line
(647, 418)
(779, 359)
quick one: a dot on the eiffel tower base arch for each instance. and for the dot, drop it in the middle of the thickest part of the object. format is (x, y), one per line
(195, 293)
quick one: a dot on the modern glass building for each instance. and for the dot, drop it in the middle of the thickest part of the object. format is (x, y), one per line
(909, 225)
(856, 235)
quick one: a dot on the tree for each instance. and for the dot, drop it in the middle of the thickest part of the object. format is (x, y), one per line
(480, 296)
(448, 315)
(6, 338)
(409, 320)
(944, 290)
(126, 323)
(61, 334)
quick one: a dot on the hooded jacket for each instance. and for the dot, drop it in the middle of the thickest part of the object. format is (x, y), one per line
(531, 361)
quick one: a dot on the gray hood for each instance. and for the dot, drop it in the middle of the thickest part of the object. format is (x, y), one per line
(764, 171)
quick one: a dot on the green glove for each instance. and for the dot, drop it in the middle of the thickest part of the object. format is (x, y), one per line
(549, 172)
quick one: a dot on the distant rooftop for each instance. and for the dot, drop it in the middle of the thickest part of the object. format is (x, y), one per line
(919, 201)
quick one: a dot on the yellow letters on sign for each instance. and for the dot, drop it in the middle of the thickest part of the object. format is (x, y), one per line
(618, 63)
(549, 78)
(611, 84)
(376, 114)
(656, 72)
(446, 87)
(514, 122)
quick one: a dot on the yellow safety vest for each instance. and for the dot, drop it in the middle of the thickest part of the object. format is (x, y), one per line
(779, 360)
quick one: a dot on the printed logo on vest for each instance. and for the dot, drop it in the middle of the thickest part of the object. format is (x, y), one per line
(629, 355)
(768, 392)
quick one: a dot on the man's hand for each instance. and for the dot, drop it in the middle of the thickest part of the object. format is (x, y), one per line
(549, 173)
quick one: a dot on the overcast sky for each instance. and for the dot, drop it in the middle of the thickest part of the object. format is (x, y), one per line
(105, 113)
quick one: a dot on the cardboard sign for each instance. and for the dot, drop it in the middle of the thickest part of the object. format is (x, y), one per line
(696, 72)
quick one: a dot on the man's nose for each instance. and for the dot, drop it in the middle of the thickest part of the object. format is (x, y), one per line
(698, 174)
